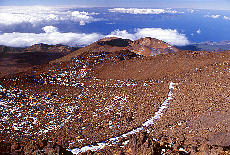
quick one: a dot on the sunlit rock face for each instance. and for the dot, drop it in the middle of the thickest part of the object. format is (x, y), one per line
(151, 47)
(144, 46)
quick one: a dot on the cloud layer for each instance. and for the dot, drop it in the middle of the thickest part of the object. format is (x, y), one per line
(38, 14)
(168, 35)
(217, 16)
(226, 18)
(52, 36)
(213, 16)
(142, 11)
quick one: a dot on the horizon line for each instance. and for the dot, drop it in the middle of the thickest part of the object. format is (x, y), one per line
(84, 6)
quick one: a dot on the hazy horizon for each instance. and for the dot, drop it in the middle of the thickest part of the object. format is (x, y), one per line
(195, 4)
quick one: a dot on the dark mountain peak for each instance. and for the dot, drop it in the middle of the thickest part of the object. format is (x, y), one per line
(113, 41)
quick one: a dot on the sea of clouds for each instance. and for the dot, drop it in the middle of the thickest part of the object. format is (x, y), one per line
(143, 11)
(217, 16)
(42, 14)
(50, 34)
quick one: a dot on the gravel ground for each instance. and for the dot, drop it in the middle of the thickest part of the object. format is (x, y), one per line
(96, 96)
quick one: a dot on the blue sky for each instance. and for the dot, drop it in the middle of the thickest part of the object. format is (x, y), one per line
(205, 4)
(23, 24)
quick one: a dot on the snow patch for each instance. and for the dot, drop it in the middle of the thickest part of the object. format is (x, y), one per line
(114, 140)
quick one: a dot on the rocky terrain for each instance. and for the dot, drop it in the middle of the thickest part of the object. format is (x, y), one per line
(15, 60)
(151, 47)
(119, 96)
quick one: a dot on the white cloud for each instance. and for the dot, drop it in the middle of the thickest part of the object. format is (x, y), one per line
(198, 31)
(122, 34)
(168, 35)
(50, 29)
(143, 11)
(38, 14)
(52, 36)
(227, 18)
(213, 16)
(191, 10)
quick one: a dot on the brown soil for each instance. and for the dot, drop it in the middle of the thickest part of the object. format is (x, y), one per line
(92, 95)
(151, 47)
(16, 60)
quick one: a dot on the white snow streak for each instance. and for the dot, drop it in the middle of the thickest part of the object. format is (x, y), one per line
(1, 88)
(114, 140)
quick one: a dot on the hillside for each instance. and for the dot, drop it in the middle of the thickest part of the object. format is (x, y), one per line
(112, 98)
(14, 60)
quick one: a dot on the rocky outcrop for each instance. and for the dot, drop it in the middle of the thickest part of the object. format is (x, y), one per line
(151, 47)
(144, 46)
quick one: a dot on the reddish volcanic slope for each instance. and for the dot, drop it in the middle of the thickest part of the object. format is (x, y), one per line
(145, 47)
(15, 60)
(151, 47)
(108, 98)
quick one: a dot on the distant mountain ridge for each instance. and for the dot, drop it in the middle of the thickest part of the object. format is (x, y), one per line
(207, 46)
(14, 59)
(51, 48)
(38, 47)
(5, 49)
